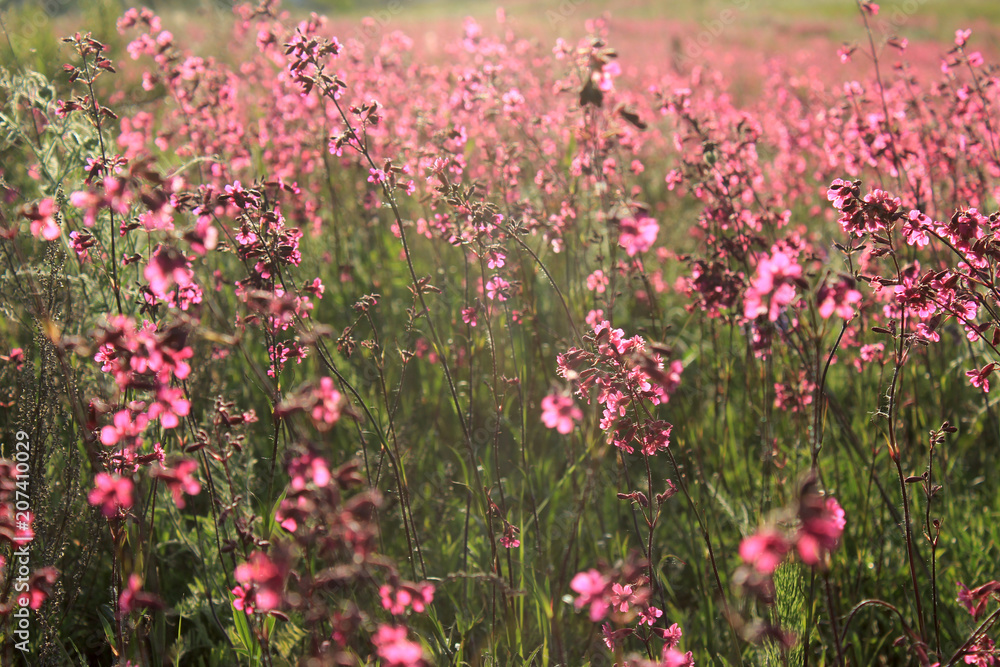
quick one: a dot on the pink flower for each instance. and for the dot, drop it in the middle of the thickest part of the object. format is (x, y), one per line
(962, 36)
(621, 597)
(15, 357)
(167, 267)
(980, 378)
(496, 259)
(649, 615)
(306, 468)
(397, 600)
(597, 282)
(469, 316)
(559, 412)
(765, 550)
(169, 405)
(674, 658)
(982, 653)
(326, 410)
(510, 539)
(592, 588)
(774, 282)
(395, 649)
(612, 638)
(975, 600)
(179, 480)
(823, 522)
(111, 492)
(671, 636)
(42, 219)
(134, 598)
(242, 601)
(90, 201)
(498, 288)
(124, 428)
(262, 582)
(638, 234)
(840, 298)
(40, 586)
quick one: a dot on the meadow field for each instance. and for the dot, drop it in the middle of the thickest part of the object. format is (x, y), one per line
(552, 334)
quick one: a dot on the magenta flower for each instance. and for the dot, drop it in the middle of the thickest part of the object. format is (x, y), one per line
(621, 597)
(765, 550)
(326, 410)
(167, 267)
(179, 480)
(397, 599)
(560, 412)
(15, 357)
(498, 288)
(124, 428)
(308, 468)
(773, 287)
(510, 539)
(597, 282)
(638, 234)
(243, 601)
(111, 492)
(980, 378)
(134, 598)
(169, 406)
(823, 522)
(42, 217)
(40, 586)
(592, 589)
(395, 649)
(262, 582)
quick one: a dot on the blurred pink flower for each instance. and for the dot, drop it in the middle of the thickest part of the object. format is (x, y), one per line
(560, 412)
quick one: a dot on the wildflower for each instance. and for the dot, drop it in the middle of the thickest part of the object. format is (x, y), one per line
(975, 600)
(167, 267)
(134, 598)
(124, 428)
(621, 597)
(328, 401)
(111, 492)
(592, 588)
(242, 600)
(774, 282)
(395, 649)
(510, 539)
(179, 480)
(822, 525)
(308, 468)
(169, 406)
(980, 378)
(638, 234)
(597, 282)
(559, 412)
(262, 582)
(764, 550)
(397, 599)
(40, 585)
(42, 219)
(498, 288)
